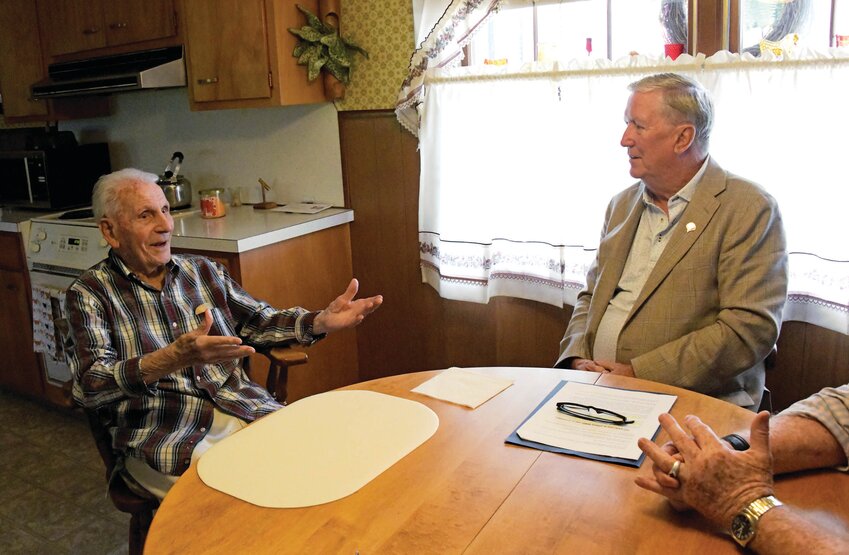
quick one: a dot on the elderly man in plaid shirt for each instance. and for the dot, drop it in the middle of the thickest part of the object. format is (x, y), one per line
(158, 339)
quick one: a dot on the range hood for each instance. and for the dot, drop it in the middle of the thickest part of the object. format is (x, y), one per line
(148, 69)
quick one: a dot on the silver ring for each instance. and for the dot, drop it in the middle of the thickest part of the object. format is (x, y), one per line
(673, 472)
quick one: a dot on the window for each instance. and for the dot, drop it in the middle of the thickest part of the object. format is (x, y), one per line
(547, 30)
(771, 20)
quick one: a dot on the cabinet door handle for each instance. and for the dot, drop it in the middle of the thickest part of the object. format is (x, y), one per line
(208, 81)
(120, 25)
(91, 30)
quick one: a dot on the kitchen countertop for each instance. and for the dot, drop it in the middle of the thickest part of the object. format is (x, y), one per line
(244, 228)
(14, 219)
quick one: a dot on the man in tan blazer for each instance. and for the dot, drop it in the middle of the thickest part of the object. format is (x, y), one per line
(690, 277)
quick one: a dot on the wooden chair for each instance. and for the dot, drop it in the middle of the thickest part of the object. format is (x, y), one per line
(141, 508)
(125, 500)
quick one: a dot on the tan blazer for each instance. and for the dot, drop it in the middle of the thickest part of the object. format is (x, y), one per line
(710, 311)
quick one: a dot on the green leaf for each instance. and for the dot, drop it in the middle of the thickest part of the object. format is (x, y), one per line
(322, 48)
(315, 68)
(313, 21)
(351, 46)
(312, 52)
(338, 53)
(307, 33)
(340, 72)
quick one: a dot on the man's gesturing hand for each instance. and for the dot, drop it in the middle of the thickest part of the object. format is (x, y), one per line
(344, 311)
(194, 347)
(198, 347)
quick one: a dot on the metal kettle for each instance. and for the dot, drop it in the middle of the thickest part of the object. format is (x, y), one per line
(177, 189)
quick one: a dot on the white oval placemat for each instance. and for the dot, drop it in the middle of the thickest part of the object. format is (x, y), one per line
(318, 449)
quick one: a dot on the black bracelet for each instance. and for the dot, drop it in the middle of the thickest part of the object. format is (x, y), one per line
(737, 442)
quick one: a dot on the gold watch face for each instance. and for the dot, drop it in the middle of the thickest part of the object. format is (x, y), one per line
(741, 528)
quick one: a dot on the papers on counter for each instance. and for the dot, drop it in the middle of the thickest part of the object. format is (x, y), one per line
(302, 207)
(463, 387)
(550, 430)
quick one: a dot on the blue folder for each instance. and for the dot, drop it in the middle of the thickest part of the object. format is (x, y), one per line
(516, 440)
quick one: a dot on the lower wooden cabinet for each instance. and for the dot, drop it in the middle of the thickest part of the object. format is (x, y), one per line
(21, 370)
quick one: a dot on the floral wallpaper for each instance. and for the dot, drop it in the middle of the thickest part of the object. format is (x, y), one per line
(385, 29)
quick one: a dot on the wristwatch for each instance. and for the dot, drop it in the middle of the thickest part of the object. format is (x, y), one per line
(745, 524)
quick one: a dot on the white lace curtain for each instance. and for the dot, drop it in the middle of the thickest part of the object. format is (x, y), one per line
(517, 169)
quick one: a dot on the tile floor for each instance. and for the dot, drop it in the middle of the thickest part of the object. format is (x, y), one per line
(52, 488)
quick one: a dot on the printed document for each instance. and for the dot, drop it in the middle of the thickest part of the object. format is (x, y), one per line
(551, 427)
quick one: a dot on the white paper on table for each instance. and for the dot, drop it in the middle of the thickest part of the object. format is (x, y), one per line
(302, 207)
(552, 427)
(463, 387)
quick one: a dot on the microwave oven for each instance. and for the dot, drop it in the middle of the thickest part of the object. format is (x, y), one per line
(52, 178)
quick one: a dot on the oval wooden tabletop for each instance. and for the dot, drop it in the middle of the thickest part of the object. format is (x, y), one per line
(466, 490)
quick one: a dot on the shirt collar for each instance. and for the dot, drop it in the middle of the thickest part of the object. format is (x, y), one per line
(121, 267)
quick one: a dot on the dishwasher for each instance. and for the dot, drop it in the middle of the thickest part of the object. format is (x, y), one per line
(59, 248)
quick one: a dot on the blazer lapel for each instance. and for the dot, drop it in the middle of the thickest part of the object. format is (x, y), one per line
(699, 212)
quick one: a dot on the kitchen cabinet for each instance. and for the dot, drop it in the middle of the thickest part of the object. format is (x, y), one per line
(309, 271)
(21, 369)
(72, 26)
(239, 54)
(22, 64)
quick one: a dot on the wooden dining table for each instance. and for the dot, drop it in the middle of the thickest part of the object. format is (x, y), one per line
(465, 490)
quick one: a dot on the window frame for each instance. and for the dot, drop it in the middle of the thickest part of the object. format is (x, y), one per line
(712, 25)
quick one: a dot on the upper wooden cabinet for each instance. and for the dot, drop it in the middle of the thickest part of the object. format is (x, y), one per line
(22, 63)
(72, 26)
(239, 54)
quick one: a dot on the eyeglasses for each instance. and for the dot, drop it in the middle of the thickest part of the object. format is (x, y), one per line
(594, 414)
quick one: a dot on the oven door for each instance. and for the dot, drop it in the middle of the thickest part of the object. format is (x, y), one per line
(50, 325)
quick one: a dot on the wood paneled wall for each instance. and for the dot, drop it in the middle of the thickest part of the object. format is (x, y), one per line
(417, 330)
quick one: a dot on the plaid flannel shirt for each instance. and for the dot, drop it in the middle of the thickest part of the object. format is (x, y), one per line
(829, 407)
(115, 319)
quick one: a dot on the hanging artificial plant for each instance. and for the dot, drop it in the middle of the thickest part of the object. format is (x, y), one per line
(321, 47)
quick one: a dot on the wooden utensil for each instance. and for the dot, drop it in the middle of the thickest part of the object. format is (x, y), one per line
(264, 205)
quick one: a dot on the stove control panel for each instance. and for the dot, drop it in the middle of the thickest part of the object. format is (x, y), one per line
(61, 245)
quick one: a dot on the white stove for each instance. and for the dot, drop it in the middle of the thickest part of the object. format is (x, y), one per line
(64, 246)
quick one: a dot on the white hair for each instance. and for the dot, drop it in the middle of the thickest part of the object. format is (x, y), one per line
(105, 197)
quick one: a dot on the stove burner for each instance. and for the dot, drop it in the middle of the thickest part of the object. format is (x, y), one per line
(80, 214)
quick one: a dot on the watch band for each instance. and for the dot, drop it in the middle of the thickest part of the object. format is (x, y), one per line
(737, 442)
(744, 526)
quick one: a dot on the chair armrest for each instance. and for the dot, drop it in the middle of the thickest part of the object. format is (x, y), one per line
(286, 356)
(281, 359)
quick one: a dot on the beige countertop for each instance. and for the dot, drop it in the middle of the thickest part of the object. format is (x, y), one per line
(244, 228)
(14, 219)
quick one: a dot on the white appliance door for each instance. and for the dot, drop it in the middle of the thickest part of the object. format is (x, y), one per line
(48, 316)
